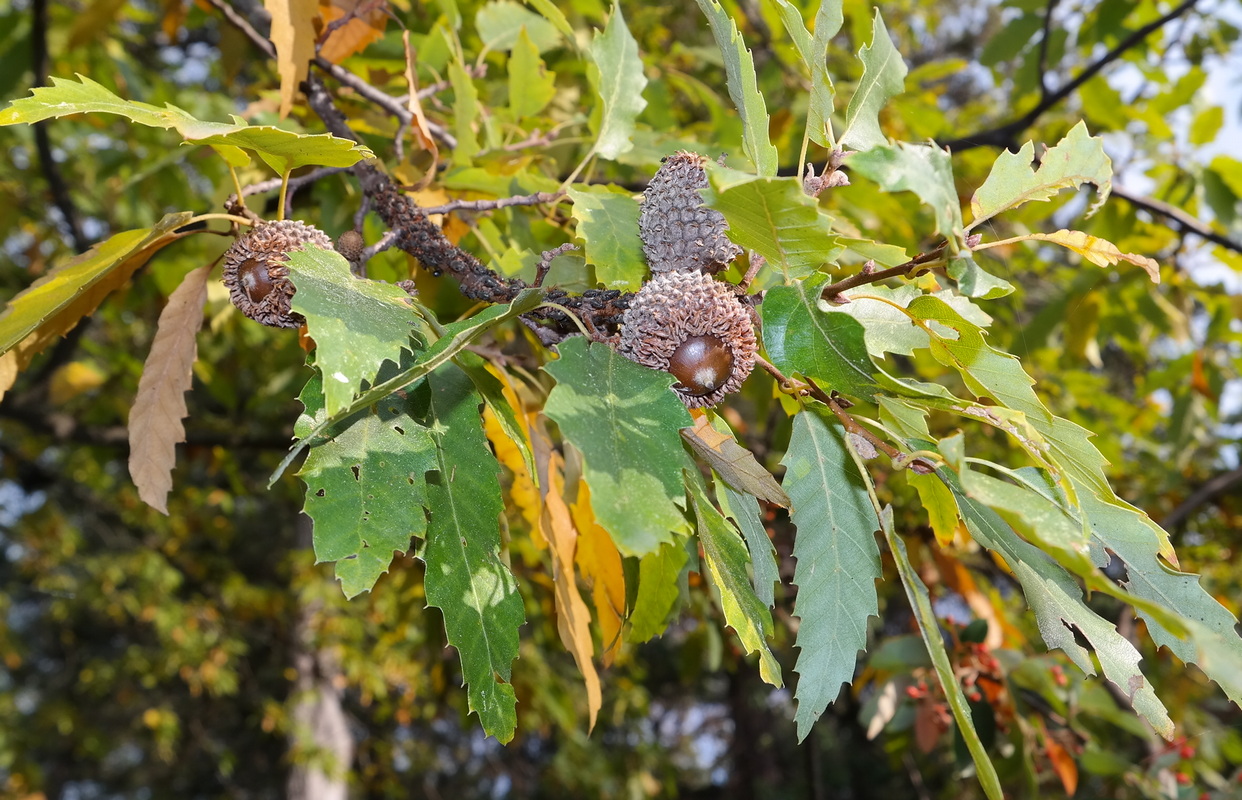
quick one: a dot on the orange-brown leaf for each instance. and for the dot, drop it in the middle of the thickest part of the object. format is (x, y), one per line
(293, 34)
(1062, 762)
(422, 131)
(734, 463)
(366, 25)
(573, 620)
(600, 564)
(155, 420)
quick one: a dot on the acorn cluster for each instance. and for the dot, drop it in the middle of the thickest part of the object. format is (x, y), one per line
(683, 320)
(255, 271)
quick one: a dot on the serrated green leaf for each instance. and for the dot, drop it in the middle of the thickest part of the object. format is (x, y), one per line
(929, 626)
(974, 281)
(365, 487)
(608, 225)
(838, 562)
(357, 324)
(453, 338)
(619, 82)
(814, 53)
(531, 85)
(802, 339)
(280, 149)
(502, 23)
(743, 88)
(726, 558)
(625, 421)
(888, 329)
(1057, 601)
(465, 577)
(937, 501)
(657, 590)
(919, 168)
(744, 510)
(1077, 159)
(774, 217)
(884, 76)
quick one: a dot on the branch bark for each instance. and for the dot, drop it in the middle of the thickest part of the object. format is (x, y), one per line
(1181, 219)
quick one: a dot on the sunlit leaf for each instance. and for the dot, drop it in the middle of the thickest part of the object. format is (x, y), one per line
(608, 225)
(716, 446)
(625, 421)
(531, 85)
(1100, 252)
(502, 23)
(743, 509)
(884, 76)
(658, 590)
(743, 88)
(293, 34)
(619, 82)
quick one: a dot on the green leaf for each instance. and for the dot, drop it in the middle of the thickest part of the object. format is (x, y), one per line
(743, 88)
(887, 328)
(608, 225)
(625, 421)
(1057, 601)
(63, 296)
(919, 168)
(357, 324)
(883, 77)
(619, 82)
(531, 85)
(658, 590)
(488, 385)
(814, 54)
(365, 487)
(465, 577)
(726, 558)
(554, 15)
(838, 562)
(1077, 159)
(744, 510)
(802, 339)
(974, 281)
(453, 338)
(280, 149)
(465, 111)
(774, 217)
(929, 626)
(501, 25)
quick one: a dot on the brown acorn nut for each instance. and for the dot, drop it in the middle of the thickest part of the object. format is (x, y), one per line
(678, 232)
(255, 272)
(690, 325)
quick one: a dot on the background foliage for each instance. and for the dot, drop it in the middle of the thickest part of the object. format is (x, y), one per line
(203, 653)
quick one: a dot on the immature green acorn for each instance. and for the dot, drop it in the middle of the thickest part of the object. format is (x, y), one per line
(255, 271)
(694, 327)
(678, 232)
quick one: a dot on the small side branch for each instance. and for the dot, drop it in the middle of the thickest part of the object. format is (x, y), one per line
(1184, 221)
(869, 274)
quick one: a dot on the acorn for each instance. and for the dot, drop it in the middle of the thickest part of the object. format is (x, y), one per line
(350, 244)
(691, 326)
(255, 271)
(679, 233)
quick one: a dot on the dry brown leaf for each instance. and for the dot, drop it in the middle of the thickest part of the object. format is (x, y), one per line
(734, 463)
(600, 563)
(364, 27)
(293, 34)
(573, 620)
(422, 131)
(155, 426)
(1100, 252)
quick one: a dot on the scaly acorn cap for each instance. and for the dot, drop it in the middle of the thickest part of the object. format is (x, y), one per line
(255, 271)
(678, 232)
(692, 326)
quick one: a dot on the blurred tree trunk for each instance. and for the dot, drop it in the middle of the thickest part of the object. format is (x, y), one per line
(319, 739)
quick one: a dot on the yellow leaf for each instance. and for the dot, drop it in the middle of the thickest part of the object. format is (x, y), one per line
(523, 492)
(1100, 252)
(422, 131)
(155, 420)
(293, 34)
(73, 379)
(366, 25)
(573, 620)
(600, 564)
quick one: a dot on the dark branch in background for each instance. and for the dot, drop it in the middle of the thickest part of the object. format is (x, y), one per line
(1005, 136)
(51, 173)
(1214, 488)
(1043, 50)
(1180, 218)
